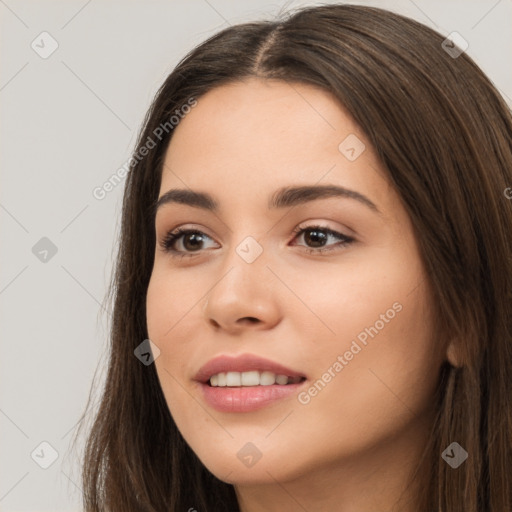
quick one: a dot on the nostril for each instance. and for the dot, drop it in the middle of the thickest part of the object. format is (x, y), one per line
(248, 320)
(251, 319)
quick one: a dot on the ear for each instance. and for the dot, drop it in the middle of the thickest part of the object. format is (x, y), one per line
(454, 353)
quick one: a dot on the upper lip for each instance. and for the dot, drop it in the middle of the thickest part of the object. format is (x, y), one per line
(242, 363)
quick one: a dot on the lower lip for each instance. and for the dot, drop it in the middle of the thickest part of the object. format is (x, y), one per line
(246, 398)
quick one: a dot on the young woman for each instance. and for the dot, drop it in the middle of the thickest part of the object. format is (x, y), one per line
(317, 240)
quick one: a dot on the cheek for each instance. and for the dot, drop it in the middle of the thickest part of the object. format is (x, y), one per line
(376, 364)
(170, 312)
(174, 321)
(162, 316)
(169, 298)
(381, 371)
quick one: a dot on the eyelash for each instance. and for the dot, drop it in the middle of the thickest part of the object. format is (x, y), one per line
(173, 236)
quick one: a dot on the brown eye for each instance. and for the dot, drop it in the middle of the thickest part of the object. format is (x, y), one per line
(191, 240)
(316, 238)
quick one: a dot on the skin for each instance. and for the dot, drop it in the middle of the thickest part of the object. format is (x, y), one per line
(352, 447)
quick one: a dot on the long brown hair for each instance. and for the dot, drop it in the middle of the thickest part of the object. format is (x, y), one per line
(444, 136)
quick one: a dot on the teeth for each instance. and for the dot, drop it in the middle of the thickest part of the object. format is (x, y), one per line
(233, 379)
(268, 378)
(282, 379)
(252, 378)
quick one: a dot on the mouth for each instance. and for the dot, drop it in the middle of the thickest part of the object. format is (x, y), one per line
(246, 383)
(246, 370)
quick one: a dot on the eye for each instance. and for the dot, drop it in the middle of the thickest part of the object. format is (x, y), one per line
(189, 242)
(188, 239)
(318, 237)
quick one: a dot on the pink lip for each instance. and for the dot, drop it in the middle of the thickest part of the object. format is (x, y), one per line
(244, 398)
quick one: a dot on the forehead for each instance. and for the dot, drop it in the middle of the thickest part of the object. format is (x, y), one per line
(252, 137)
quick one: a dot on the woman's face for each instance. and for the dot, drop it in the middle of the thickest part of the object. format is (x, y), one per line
(354, 320)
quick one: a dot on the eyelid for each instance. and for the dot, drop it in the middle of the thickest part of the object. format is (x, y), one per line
(323, 224)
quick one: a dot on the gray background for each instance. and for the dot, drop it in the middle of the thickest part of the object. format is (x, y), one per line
(68, 122)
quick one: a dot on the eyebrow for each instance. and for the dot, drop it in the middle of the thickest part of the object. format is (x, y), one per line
(283, 198)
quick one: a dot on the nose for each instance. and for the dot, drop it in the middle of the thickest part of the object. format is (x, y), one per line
(244, 297)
